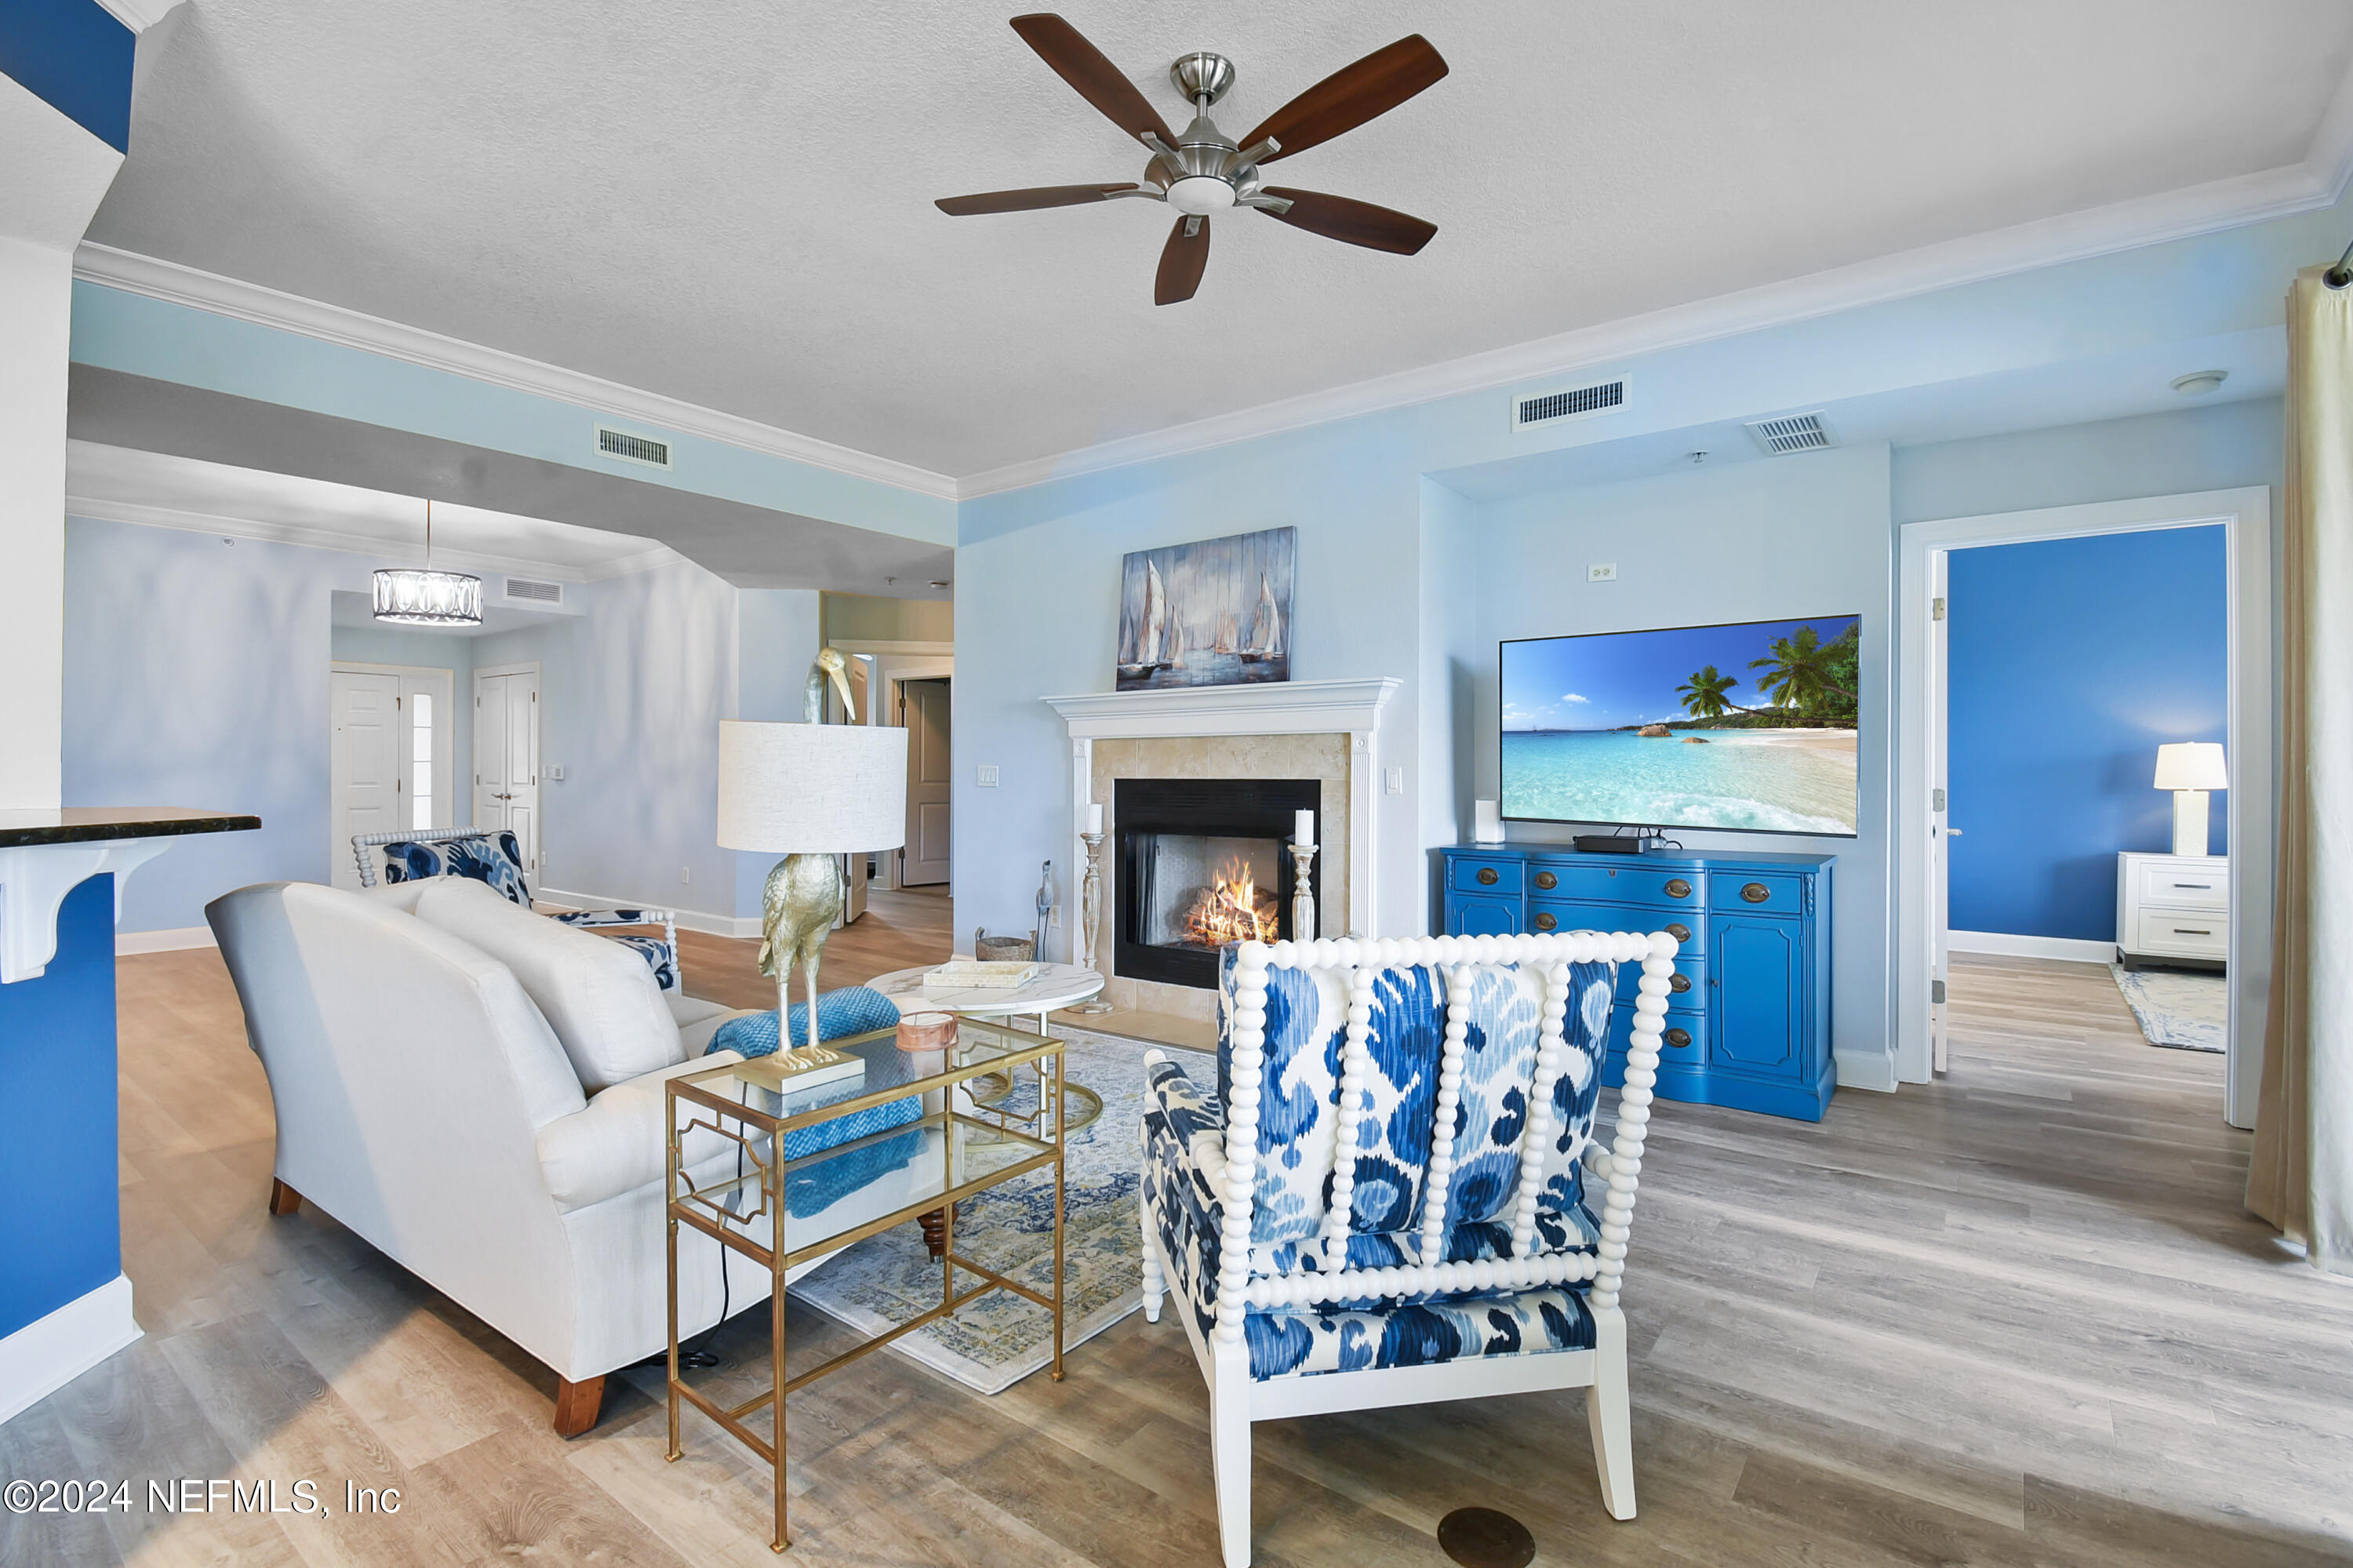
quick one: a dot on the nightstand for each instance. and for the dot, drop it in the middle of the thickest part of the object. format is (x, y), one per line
(2175, 908)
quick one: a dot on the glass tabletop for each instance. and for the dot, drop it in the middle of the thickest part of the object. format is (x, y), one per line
(875, 1071)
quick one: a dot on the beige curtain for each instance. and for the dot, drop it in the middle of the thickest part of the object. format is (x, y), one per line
(2302, 1176)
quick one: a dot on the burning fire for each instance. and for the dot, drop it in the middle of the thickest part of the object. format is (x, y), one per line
(1234, 908)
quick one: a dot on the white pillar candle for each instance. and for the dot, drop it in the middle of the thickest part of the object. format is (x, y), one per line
(1094, 816)
(1302, 830)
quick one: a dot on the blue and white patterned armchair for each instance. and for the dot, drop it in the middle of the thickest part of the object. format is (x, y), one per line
(1385, 1199)
(495, 858)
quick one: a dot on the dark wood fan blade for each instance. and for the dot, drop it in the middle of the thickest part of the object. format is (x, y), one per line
(1352, 222)
(1030, 200)
(1181, 263)
(1352, 95)
(1098, 81)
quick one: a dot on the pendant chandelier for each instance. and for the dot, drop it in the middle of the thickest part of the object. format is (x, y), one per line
(419, 596)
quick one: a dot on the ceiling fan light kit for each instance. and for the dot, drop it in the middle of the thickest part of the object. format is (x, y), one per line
(1203, 170)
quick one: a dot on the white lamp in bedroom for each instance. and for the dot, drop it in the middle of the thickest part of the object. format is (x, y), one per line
(2190, 769)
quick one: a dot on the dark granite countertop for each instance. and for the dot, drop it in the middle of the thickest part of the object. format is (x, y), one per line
(82, 824)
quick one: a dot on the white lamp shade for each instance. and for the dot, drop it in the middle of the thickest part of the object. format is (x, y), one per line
(811, 789)
(2192, 765)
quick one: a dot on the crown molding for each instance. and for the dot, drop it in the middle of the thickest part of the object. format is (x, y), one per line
(2318, 182)
(181, 285)
(139, 15)
(312, 536)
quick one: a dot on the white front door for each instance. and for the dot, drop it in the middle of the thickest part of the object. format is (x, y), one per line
(364, 764)
(506, 758)
(927, 859)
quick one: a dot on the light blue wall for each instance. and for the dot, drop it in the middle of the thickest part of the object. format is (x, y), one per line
(2215, 447)
(2071, 662)
(427, 650)
(195, 674)
(1751, 541)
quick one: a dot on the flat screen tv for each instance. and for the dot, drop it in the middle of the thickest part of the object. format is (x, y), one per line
(1749, 728)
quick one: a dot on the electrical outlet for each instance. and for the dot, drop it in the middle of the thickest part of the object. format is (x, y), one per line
(1053, 917)
(555, 771)
(1395, 777)
(1606, 572)
(685, 875)
(988, 776)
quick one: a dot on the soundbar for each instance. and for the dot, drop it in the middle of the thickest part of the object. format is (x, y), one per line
(1619, 843)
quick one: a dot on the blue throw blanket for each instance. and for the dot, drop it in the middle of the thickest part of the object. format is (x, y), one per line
(853, 1010)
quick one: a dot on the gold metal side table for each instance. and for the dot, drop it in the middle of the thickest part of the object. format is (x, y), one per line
(727, 1181)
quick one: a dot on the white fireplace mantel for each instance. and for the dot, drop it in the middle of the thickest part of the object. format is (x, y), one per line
(1274, 707)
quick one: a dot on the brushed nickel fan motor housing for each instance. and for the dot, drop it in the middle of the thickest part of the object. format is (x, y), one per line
(1202, 75)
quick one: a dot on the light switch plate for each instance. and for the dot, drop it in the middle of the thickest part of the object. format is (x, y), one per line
(988, 776)
(1606, 572)
(556, 772)
(1394, 781)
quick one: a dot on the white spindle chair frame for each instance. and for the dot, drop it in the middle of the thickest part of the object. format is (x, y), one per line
(1235, 1399)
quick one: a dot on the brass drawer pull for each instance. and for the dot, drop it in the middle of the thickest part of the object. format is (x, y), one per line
(1546, 881)
(1679, 983)
(1486, 876)
(1679, 1038)
(1678, 888)
(1679, 931)
(1545, 922)
(1757, 893)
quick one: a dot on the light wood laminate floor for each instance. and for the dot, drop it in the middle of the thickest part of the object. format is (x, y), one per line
(2014, 1318)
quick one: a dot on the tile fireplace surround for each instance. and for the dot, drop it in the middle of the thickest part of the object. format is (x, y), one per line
(1325, 730)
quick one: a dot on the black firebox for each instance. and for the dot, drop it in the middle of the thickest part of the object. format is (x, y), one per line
(1202, 861)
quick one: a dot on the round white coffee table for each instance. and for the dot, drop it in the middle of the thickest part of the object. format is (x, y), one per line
(1055, 986)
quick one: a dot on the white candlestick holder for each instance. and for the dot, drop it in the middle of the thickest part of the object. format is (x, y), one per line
(1090, 916)
(1303, 892)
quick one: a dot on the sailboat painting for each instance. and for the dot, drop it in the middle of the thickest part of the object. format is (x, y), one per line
(1216, 612)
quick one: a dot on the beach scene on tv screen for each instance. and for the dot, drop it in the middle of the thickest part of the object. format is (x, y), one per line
(1748, 726)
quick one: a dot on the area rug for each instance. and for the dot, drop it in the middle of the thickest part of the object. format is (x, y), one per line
(994, 1342)
(2185, 1012)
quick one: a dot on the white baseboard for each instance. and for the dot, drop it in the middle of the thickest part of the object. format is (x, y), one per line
(2072, 949)
(178, 939)
(692, 919)
(49, 1352)
(1866, 1070)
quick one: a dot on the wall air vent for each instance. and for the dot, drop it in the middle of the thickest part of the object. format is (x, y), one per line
(629, 448)
(535, 591)
(1568, 403)
(1791, 433)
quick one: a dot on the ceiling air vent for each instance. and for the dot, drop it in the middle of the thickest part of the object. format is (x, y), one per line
(621, 444)
(535, 591)
(1568, 403)
(1791, 433)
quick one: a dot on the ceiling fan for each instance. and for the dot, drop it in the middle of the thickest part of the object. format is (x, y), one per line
(1205, 171)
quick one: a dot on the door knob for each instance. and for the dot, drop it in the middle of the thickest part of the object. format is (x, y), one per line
(1952, 832)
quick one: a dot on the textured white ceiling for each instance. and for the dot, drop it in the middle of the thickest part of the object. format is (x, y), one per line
(729, 201)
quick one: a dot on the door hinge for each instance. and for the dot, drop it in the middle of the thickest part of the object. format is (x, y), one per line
(1936, 992)
(395, 785)
(1939, 801)
(1938, 613)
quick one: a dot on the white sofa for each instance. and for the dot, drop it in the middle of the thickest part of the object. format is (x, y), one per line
(479, 1092)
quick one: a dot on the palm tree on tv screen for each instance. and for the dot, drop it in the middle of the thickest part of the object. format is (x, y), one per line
(1803, 671)
(1703, 693)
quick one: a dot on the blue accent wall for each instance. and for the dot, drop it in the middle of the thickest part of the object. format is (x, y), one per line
(2072, 662)
(60, 1214)
(76, 58)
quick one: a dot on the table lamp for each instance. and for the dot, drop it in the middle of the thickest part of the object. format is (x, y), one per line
(2189, 768)
(809, 792)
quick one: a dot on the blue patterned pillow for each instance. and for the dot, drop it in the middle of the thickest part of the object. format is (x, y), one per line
(852, 1010)
(496, 861)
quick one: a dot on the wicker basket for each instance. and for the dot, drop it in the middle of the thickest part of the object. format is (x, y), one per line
(1004, 950)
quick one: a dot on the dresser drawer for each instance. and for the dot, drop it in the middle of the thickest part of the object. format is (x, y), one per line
(2176, 887)
(1627, 885)
(1688, 927)
(1688, 984)
(1474, 874)
(1765, 891)
(1683, 1044)
(2183, 934)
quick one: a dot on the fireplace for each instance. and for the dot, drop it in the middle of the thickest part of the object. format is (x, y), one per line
(1202, 861)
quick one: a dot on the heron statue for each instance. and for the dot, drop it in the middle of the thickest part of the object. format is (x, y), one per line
(802, 897)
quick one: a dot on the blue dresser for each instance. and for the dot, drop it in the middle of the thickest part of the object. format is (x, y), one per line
(1748, 1024)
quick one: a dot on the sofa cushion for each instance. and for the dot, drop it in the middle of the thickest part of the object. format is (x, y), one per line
(697, 1020)
(599, 998)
